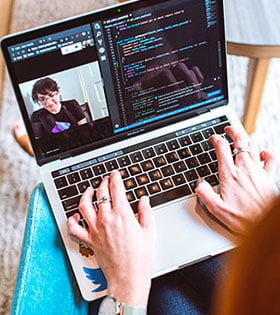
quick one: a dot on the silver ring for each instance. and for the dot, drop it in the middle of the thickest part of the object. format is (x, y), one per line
(240, 149)
(104, 199)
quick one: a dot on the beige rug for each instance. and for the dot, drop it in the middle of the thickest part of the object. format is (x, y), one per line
(18, 172)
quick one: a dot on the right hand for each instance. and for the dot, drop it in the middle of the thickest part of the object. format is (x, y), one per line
(246, 183)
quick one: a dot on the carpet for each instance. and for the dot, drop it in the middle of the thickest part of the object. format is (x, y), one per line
(19, 173)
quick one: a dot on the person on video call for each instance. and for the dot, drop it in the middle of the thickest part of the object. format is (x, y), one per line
(55, 115)
(124, 244)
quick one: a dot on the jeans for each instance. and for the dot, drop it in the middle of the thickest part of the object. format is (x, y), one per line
(187, 291)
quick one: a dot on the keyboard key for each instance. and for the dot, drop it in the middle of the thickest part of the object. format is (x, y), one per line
(204, 158)
(160, 149)
(208, 133)
(95, 182)
(166, 183)
(139, 192)
(136, 157)
(159, 161)
(134, 169)
(142, 179)
(178, 179)
(196, 137)
(167, 171)
(72, 203)
(68, 192)
(171, 157)
(99, 169)
(196, 149)
(124, 173)
(184, 153)
(60, 182)
(74, 178)
(220, 129)
(172, 145)
(213, 167)
(179, 166)
(191, 175)
(83, 186)
(111, 165)
(86, 174)
(203, 171)
(130, 196)
(185, 141)
(124, 161)
(130, 183)
(155, 175)
(207, 145)
(147, 165)
(148, 153)
(170, 195)
(192, 162)
(154, 188)
(193, 185)
(212, 180)
(72, 212)
(213, 155)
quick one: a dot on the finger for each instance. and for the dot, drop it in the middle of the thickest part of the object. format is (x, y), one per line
(117, 189)
(210, 198)
(145, 214)
(270, 162)
(242, 141)
(223, 153)
(239, 136)
(103, 191)
(75, 230)
(86, 208)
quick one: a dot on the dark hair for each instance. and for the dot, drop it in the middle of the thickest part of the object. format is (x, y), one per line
(44, 86)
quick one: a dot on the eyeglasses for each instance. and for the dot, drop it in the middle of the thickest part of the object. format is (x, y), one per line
(48, 97)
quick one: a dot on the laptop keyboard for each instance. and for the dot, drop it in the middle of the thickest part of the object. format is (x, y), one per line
(164, 168)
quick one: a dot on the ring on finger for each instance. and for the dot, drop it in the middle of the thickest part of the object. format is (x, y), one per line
(105, 199)
(240, 150)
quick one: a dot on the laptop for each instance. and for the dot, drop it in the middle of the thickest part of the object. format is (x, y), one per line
(142, 86)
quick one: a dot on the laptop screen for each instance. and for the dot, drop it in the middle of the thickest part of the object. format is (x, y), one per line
(118, 72)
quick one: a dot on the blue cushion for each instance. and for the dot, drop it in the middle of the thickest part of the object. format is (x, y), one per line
(45, 282)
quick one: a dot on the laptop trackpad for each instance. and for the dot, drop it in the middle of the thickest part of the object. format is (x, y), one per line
(186, 234)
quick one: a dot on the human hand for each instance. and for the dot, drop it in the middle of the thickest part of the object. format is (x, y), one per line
(123, 246)
(246, 182)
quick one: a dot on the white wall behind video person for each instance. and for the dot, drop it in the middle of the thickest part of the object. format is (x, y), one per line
(84, 84)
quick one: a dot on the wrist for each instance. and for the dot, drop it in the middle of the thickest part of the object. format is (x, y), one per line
(110, 306)
(131, 294)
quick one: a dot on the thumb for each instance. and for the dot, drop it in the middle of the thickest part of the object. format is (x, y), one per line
(270, 162)
(145, 213)
(209, 197)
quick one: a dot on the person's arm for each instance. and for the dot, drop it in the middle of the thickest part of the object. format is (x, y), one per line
(82, 122)
(246, 182)
(123, 246)
(76, 110)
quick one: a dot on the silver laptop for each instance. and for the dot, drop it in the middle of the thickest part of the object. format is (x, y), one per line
(141, 87)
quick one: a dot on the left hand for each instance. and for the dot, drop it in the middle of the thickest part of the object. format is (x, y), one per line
(123, 246)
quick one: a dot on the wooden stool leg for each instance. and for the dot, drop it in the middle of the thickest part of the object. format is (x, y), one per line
(257, 73)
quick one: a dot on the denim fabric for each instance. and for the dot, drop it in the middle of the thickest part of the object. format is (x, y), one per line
(45, 282)
(46, 285)
(187, 291)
